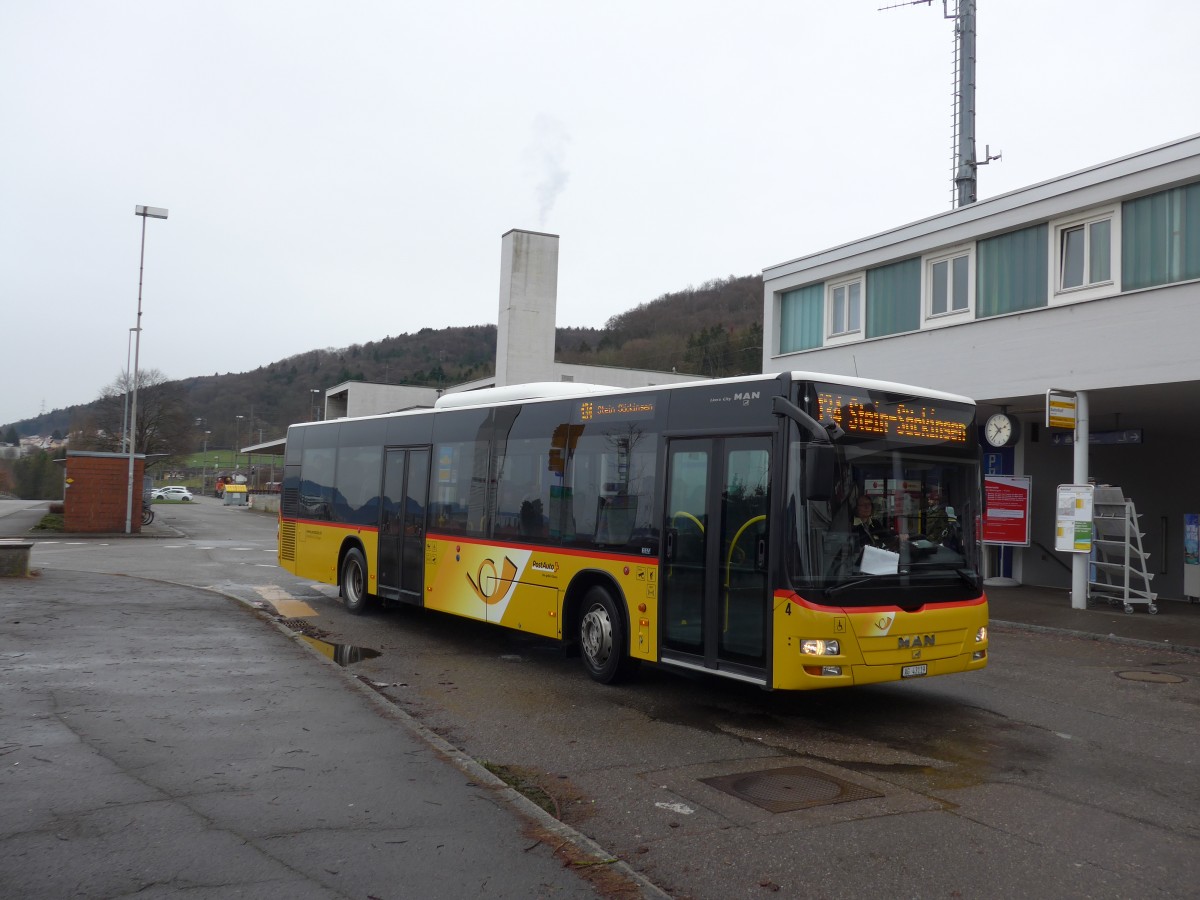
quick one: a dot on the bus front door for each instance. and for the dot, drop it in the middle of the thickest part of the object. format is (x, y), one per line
(401, 568)
(716, 595)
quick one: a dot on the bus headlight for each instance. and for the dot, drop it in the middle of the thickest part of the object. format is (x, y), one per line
(981, 634)
(814, 647)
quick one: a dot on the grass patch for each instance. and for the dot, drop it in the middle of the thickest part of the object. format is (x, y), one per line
(51, 522)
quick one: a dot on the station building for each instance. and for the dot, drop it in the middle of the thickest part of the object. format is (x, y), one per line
(1089, 282)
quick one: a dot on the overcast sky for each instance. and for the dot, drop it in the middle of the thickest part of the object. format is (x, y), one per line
(340, 172)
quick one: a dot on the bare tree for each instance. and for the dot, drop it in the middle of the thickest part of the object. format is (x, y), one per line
(163, 426)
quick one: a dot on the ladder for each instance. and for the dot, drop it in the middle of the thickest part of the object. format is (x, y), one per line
(1118, 565)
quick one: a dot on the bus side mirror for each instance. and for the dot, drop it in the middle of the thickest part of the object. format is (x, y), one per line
(820, 470)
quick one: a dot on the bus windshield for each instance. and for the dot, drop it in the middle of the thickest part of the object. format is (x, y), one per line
(894, 516)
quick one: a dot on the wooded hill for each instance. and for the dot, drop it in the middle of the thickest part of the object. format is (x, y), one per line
(714, 329)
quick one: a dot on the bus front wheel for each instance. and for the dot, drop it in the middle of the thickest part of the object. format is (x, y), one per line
(602, 638)
(353, 582)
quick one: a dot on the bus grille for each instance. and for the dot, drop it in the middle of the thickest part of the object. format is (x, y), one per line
(289, 503)
(287, 541)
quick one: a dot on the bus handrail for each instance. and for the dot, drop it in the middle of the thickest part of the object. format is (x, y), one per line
(729, 562)
(733, 546)
(688, 515)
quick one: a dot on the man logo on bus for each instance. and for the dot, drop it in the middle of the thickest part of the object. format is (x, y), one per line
(746, 397)
(497, 585)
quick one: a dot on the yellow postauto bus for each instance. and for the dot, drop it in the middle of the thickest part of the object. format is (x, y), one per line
(719, 526)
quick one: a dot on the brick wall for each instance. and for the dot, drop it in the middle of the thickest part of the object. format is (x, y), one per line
(97, 488)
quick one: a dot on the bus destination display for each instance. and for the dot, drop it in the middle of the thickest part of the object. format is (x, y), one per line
(641, 408)
(918, 421)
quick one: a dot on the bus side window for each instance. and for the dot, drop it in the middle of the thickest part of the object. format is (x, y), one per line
(613, 488)
(458, 504)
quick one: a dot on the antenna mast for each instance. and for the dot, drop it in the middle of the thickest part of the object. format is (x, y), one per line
(963, 165)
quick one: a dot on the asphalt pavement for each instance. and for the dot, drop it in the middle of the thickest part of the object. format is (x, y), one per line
(157, 738)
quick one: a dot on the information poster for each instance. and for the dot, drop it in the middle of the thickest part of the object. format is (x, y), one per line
(1191, 556)
(1073, 527)
(1006, 515)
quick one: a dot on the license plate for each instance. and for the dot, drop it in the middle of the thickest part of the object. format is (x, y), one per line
(914, 671)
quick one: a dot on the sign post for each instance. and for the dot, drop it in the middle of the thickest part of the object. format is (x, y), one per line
(1060, 409)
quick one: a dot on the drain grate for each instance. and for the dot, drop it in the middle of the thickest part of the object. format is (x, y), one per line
(789, 789)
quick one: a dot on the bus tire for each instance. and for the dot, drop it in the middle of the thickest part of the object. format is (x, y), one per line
(602, 639)
(353, 582)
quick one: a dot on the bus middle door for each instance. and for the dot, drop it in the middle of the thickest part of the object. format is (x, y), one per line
(401, 567)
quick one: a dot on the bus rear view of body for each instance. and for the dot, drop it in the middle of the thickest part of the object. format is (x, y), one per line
(719, 526)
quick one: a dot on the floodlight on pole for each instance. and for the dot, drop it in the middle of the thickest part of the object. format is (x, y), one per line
(146, 212)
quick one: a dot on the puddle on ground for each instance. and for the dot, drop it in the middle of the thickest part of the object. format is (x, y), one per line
(342, 654)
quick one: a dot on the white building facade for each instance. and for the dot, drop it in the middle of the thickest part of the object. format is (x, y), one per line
(1089, 282)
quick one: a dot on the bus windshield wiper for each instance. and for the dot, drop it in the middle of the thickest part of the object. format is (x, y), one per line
(846, 585)
(966, 576)
(969, 577)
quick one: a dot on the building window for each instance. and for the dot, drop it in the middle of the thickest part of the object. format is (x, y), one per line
(893, 303)
(845, 307)
(949, 284)
(800, 316)
(1012, 272)
(1160, 240)
(1083, 256)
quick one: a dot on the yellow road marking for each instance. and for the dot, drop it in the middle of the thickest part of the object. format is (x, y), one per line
(285, 604)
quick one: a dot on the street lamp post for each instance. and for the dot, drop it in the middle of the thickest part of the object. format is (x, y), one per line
(204, 464)
(146, 212)
(125, 415)
(237, 432)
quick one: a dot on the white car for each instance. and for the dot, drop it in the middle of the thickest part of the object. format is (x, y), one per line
(171, 492)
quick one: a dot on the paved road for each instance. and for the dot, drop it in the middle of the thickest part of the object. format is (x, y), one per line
(158, 739)
(1067, 769)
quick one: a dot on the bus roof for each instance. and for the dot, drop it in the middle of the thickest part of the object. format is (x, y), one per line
(534, 390)
(546, 390)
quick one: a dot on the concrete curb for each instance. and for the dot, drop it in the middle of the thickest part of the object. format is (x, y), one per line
(1095, 636)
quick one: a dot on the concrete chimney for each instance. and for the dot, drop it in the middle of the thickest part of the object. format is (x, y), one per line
(528, 301)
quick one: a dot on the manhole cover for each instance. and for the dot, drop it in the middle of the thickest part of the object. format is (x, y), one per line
(1152, 677)
(789, 789)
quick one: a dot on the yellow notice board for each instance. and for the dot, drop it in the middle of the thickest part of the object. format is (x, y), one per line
(1060, 409)
(1073, 528)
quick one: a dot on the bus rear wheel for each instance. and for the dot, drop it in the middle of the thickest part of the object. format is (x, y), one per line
(602, 638)
(353, 582)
